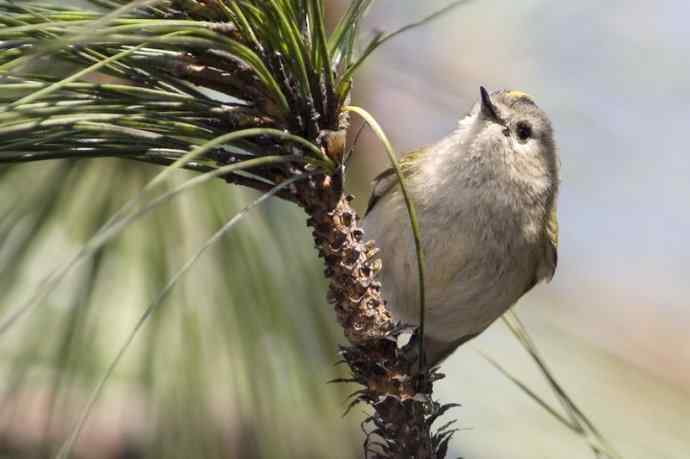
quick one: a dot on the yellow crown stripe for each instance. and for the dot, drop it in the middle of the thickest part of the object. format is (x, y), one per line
(518, 94)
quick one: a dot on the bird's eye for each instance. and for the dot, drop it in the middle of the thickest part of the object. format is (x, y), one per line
(523, 130)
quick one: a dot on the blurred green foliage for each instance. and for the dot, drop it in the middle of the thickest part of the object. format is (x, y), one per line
(236, 359)
(234, 362)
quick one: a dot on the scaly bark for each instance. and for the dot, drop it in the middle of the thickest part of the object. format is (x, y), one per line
(383, 357)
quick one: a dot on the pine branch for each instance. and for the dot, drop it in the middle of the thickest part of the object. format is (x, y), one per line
(203, 84)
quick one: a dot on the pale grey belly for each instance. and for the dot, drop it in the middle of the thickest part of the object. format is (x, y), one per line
(469, 284)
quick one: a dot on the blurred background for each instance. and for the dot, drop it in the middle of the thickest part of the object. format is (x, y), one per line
(235, 362)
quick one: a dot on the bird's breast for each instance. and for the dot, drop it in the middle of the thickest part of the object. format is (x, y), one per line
(478, 261)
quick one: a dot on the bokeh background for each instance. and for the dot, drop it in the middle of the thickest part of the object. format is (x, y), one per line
(614, 322)
(234, 364)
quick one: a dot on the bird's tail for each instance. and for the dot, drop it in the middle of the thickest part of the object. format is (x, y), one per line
(437, 351)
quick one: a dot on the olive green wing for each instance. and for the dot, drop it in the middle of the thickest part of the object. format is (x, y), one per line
(382, 184)
(387, 180)
(551, 253)
(547, 265)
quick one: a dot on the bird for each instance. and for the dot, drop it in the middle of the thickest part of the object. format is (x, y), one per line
(485, 198)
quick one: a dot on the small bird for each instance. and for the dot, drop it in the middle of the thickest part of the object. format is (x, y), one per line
(485, 198)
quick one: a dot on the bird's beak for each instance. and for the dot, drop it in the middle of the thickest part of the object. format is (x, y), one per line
(488, 108)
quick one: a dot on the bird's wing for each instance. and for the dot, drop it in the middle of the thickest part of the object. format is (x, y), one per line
(547, 265)
(551, 255)
(382, 184)
(386, 181)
